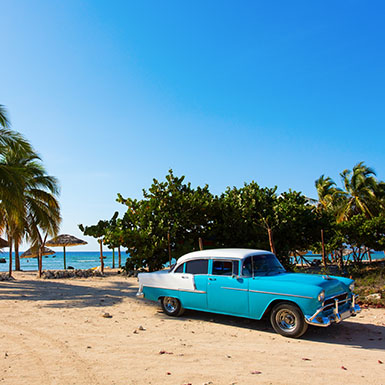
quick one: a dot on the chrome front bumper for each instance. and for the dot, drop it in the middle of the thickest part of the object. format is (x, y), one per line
(318, 320)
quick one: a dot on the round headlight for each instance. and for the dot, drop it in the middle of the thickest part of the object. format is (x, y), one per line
(351, 287)
(321, 296)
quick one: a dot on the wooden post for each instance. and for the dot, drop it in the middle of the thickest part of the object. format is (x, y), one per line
(113, 257)
(323, 248)
(369, 255)
(101, 256)
(10, 256)
(120, 257)
(169, 248)
(200, 243)
(64, 257)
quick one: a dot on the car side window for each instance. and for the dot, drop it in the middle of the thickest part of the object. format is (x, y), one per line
(225, 267)
(179, 269)
(199, 266)
(246, 267)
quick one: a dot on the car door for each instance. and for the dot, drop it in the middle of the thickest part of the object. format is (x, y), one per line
(262, 287)
(227, 292)
(197, 271)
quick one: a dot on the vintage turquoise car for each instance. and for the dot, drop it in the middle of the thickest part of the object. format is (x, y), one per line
(252, 284)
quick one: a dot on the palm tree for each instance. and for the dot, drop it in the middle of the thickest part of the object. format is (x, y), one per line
(9, 176)
(37, 210)
(4, 122)
(361, 194)
(328, 193)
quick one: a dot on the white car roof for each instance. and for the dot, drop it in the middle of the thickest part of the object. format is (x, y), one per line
(221, 253)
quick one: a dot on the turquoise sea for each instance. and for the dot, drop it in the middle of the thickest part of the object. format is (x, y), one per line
(76, 259)
(374, 254)
(90, 259)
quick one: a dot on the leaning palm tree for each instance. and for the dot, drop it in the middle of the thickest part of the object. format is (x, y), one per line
(10, 176)
(37, 209)
(10, 138)
(4, 121)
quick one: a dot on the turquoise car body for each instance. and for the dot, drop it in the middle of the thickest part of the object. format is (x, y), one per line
(321, 299)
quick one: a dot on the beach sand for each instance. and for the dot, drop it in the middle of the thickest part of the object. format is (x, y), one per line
(54, 332)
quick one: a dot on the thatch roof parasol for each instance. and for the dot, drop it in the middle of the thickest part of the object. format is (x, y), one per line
(3, 243)
(34, 253)
(65, 240)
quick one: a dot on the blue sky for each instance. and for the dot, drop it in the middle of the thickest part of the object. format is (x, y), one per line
(114, 93)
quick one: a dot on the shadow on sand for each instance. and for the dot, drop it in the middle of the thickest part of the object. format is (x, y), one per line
(59, 294)
(354, 334)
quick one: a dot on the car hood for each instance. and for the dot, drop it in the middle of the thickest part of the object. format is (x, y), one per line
(331, 285)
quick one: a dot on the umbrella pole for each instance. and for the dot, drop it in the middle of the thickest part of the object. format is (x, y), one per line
(64, 256)
(120, 257)
(101, 257)
(113, 257)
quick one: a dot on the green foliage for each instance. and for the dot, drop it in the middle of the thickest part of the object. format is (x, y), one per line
(169, 209)
(173, 210)
(173, 214)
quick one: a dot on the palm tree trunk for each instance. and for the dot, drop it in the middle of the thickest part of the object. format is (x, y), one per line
(17, 258)
(10, 256)
(120, 257)
(271, 240)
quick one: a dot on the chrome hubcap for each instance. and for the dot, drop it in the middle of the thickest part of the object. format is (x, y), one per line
(286, 320)
(170, 304)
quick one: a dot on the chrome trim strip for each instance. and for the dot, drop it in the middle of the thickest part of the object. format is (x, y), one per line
(233, 288)
(193, 291)
(287, 295)
(186, 290)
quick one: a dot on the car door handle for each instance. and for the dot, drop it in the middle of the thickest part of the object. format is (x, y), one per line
(212, 279)
(184, 277)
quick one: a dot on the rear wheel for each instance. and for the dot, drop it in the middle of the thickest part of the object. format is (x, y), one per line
(172, 306)
(288, 320)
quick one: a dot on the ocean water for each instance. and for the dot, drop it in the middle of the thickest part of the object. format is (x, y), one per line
(76, 259)
(374, 254)
(90, 259)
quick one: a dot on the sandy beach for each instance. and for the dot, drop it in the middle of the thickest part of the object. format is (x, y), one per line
(58, 332)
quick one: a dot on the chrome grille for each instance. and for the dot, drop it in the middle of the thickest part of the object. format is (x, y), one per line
(340, 297)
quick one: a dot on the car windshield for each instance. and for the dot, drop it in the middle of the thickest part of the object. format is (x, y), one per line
(262, 264)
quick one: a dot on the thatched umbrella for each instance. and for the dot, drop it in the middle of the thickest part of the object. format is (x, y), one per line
(65, 240)
(3, 243)
(34, 252)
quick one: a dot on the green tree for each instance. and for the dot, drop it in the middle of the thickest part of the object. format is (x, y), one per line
(110, 232)
(362, 234)
(170, 210)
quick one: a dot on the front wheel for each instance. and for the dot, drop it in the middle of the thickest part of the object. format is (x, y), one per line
(288, 320)
(172, 306)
